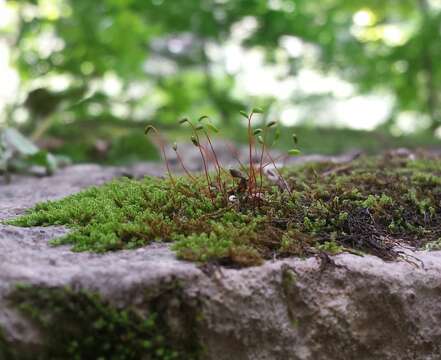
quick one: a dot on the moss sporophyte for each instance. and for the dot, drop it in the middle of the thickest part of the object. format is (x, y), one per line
(240, 217)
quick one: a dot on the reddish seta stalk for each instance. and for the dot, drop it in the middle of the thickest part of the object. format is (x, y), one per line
(183, 167)
(207, 176)
(197, 143)
(261, 161)
(251, 172)
(218, 166)
(162, 146)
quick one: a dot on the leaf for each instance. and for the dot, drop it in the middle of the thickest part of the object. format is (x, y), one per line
(271, 124)
(260, 140)
(244, 114)
(148, 128)
(175, 147)
(258, 111)
(202, 118)
(257, 131)
(51, 163)
(15, 141)
(277, 135)
(213, 128)
(295, 139)
(45, 159)
(294, 152)
(183, 121)
(200, 127)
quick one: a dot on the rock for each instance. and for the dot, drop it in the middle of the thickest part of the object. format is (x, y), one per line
(359, 308)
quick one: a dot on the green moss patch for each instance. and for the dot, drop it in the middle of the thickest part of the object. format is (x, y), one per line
(370, 205)
(6, 351)
(81, 325)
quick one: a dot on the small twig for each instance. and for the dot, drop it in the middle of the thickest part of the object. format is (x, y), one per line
(216, 213)
(273, 161)
(337, 170)
(281, 181)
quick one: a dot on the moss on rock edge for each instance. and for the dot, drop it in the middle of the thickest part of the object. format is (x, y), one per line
(369, 205)
(81, 325)
(6, 352)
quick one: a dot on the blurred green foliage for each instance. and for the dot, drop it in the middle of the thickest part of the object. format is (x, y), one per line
(331, 141)
(157, 55)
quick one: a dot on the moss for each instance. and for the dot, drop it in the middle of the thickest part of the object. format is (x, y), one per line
(289, 279)
(331, 247)
(367, 206)
(6, 352)
(81, 325)
(433, 245)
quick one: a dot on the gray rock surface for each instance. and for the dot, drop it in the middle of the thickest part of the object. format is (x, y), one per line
(363, 308)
